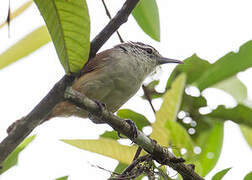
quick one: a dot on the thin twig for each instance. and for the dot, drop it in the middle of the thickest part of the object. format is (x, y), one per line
(8, 20)
(111, 172)
(147, 96)
(108, 14)
(125, 178)
(127, 173)
(135, 163)
(139, 149)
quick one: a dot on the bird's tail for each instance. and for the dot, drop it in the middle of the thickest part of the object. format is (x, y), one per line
(63, 109)
(66, 109)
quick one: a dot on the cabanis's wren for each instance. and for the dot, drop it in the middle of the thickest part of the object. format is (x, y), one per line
(113, 76)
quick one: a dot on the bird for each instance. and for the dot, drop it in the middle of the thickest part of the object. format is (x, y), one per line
(112, 77)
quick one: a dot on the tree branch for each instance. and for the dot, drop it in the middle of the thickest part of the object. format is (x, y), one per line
(159, 153)
(24, 127)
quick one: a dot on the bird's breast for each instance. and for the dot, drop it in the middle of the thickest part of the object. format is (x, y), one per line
(113, 83)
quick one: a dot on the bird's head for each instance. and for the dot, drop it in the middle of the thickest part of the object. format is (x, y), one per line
(146, 53)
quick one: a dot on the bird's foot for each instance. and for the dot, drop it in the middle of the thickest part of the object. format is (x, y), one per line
(95, 119)
(134, 132)
(100, 104)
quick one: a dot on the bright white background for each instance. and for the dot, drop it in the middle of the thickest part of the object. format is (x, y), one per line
(208, 28)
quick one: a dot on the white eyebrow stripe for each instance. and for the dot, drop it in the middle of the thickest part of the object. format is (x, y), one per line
(142, 45)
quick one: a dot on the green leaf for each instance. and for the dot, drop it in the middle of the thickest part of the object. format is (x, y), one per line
(25, 46)
(153, 84)
(110, 135)
(210, 141)
(147, 17)
(168, 110)
(219, 175)
(191, 106)
(234, 87)
(17, 12)
(69, 26)
(120, 167)
(191, 103)
(193, 66)
(227, 66)
(203, 74)
(179, 138)
(12, 159)
(247, 133)
(62, 178)
(240, 114)
(248, 176)
(140, 120)
(165, 129)
(106, 147)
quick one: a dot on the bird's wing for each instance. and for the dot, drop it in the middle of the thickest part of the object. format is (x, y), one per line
(97, 62)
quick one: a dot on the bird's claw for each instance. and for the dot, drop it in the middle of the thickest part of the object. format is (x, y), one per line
(134, 132)
(101, 105)
(94, 119)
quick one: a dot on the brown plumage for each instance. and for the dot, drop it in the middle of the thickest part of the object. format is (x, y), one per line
(113, 77)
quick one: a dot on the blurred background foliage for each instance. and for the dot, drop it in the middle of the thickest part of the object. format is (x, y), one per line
(184, 123)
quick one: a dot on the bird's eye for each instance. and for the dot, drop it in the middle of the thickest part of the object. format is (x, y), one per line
(149, 50)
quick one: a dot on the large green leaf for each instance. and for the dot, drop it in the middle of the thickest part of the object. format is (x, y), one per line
(110, 135)
(210, 141)
(106, 147)
(219, 175)
(247, 133)
(17, 12)
(248, 176)
(240, 114)
(12, 159)
(168, 111)
(120, 167)
(25, 46)
(227, 66)
(147, 17)
(234, 87)
(193, 66)
(69, 26)
(238, 90)
(179, 138)
(203, 74)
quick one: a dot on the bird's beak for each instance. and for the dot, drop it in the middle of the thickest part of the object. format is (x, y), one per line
(163, 60)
